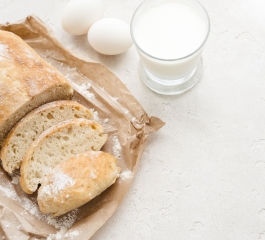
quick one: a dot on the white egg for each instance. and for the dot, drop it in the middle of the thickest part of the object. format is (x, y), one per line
(79, 15)
(110, 36)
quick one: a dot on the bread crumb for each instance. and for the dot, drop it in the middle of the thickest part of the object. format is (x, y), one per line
(15, 180)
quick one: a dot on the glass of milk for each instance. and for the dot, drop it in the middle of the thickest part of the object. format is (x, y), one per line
(169, 36)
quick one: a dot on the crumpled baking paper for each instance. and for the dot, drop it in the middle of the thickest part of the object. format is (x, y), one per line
(123, 118)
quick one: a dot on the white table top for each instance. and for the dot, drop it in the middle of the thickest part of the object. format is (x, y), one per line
(202, 176)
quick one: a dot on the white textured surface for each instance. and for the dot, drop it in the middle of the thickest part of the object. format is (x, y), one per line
(202, 176)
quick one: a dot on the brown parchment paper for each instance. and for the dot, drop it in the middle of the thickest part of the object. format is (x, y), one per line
(123, 118)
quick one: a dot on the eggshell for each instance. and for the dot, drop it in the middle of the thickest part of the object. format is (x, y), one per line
(110, 36)
(79, 15)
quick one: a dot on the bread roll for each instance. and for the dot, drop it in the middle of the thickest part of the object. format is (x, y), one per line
(57, 144)
(32, 125)
(26, 82)
(76, 181)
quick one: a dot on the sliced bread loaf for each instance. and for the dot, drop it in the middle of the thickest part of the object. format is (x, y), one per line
(76, 181)
(32, 125)
(57, 144)
(26, 82)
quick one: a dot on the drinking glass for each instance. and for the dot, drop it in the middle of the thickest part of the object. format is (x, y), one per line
(169, 36)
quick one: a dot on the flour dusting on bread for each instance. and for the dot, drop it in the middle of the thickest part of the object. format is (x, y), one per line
(3, 52)
(88, 175)
(57, 183)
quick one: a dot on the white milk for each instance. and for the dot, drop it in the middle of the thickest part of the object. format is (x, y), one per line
(167, 32)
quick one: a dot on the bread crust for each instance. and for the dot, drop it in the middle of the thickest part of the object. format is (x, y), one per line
(28, 166)
(76, 181)
(26, 81)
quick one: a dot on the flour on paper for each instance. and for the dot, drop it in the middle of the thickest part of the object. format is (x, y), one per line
(31, 207)
(114, 99)
(63, 224)
(95, 114)
(8, 192)
(73, 234)
(116, 148)
(126, 111)
(126, 174)
(82, 88)
(105, 120)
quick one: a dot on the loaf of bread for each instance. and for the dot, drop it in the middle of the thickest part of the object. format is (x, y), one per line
(26, 82)
(76, 181)
(57, 144)
(32, 125)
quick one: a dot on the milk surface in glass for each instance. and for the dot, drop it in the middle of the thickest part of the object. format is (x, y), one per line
(169, 37)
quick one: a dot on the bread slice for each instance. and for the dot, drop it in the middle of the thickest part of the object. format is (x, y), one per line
(57, 144)
(76, 181)
(32, 125)
(26, 82)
